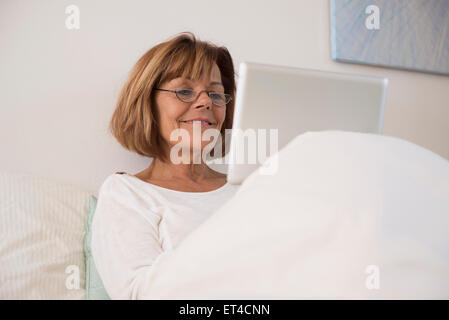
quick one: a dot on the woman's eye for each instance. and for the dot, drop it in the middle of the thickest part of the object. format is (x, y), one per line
(216, 95)
(185, 92)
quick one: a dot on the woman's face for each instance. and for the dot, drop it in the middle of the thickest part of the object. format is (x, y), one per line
(173, 113)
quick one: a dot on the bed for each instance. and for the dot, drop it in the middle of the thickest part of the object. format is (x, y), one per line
(346, 216)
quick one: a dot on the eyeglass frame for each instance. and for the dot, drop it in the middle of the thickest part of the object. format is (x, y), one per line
(196, 98)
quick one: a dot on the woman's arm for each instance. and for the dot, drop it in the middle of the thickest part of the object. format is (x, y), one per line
(125, 241)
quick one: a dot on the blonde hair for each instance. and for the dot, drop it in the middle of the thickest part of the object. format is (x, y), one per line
(134, 121)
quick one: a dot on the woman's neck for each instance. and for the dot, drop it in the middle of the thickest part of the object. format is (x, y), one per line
(159, 170)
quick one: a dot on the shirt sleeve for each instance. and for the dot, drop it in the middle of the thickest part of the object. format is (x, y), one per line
(125, 241)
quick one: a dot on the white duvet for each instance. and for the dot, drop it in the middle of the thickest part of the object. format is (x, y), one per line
(347, 215)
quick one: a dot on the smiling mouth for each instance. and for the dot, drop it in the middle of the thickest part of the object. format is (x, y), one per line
(201, 122)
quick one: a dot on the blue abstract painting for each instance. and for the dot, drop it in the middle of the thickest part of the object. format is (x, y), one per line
(405, 34)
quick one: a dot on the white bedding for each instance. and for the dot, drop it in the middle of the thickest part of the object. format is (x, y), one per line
(347, 215)
(42, 225)
(341, 205)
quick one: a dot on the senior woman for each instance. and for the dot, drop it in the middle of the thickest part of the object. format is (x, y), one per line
(182, 84)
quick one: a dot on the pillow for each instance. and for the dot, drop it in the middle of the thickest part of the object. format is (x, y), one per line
(42, 223)
(94, 285)
(346, 216)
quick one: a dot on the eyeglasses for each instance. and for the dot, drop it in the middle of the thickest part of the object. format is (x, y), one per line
(188, 95)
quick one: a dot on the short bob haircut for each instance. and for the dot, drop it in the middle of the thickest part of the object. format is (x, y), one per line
(134, 121)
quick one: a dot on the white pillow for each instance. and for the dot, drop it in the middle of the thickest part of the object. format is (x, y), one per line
(347, 215)
(42, 229)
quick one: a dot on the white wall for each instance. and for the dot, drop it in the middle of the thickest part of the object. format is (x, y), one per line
(58, 87)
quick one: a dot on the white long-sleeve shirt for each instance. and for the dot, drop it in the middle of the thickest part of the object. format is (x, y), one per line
(135, 222)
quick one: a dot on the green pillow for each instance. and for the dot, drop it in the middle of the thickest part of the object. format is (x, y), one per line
(94, 286)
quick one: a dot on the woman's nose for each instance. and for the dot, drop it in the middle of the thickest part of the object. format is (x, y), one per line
(204, 99)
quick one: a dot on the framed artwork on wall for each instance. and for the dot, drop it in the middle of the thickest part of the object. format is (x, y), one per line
(405, 34)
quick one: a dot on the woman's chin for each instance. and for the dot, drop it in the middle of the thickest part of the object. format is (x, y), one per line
(193, 151)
